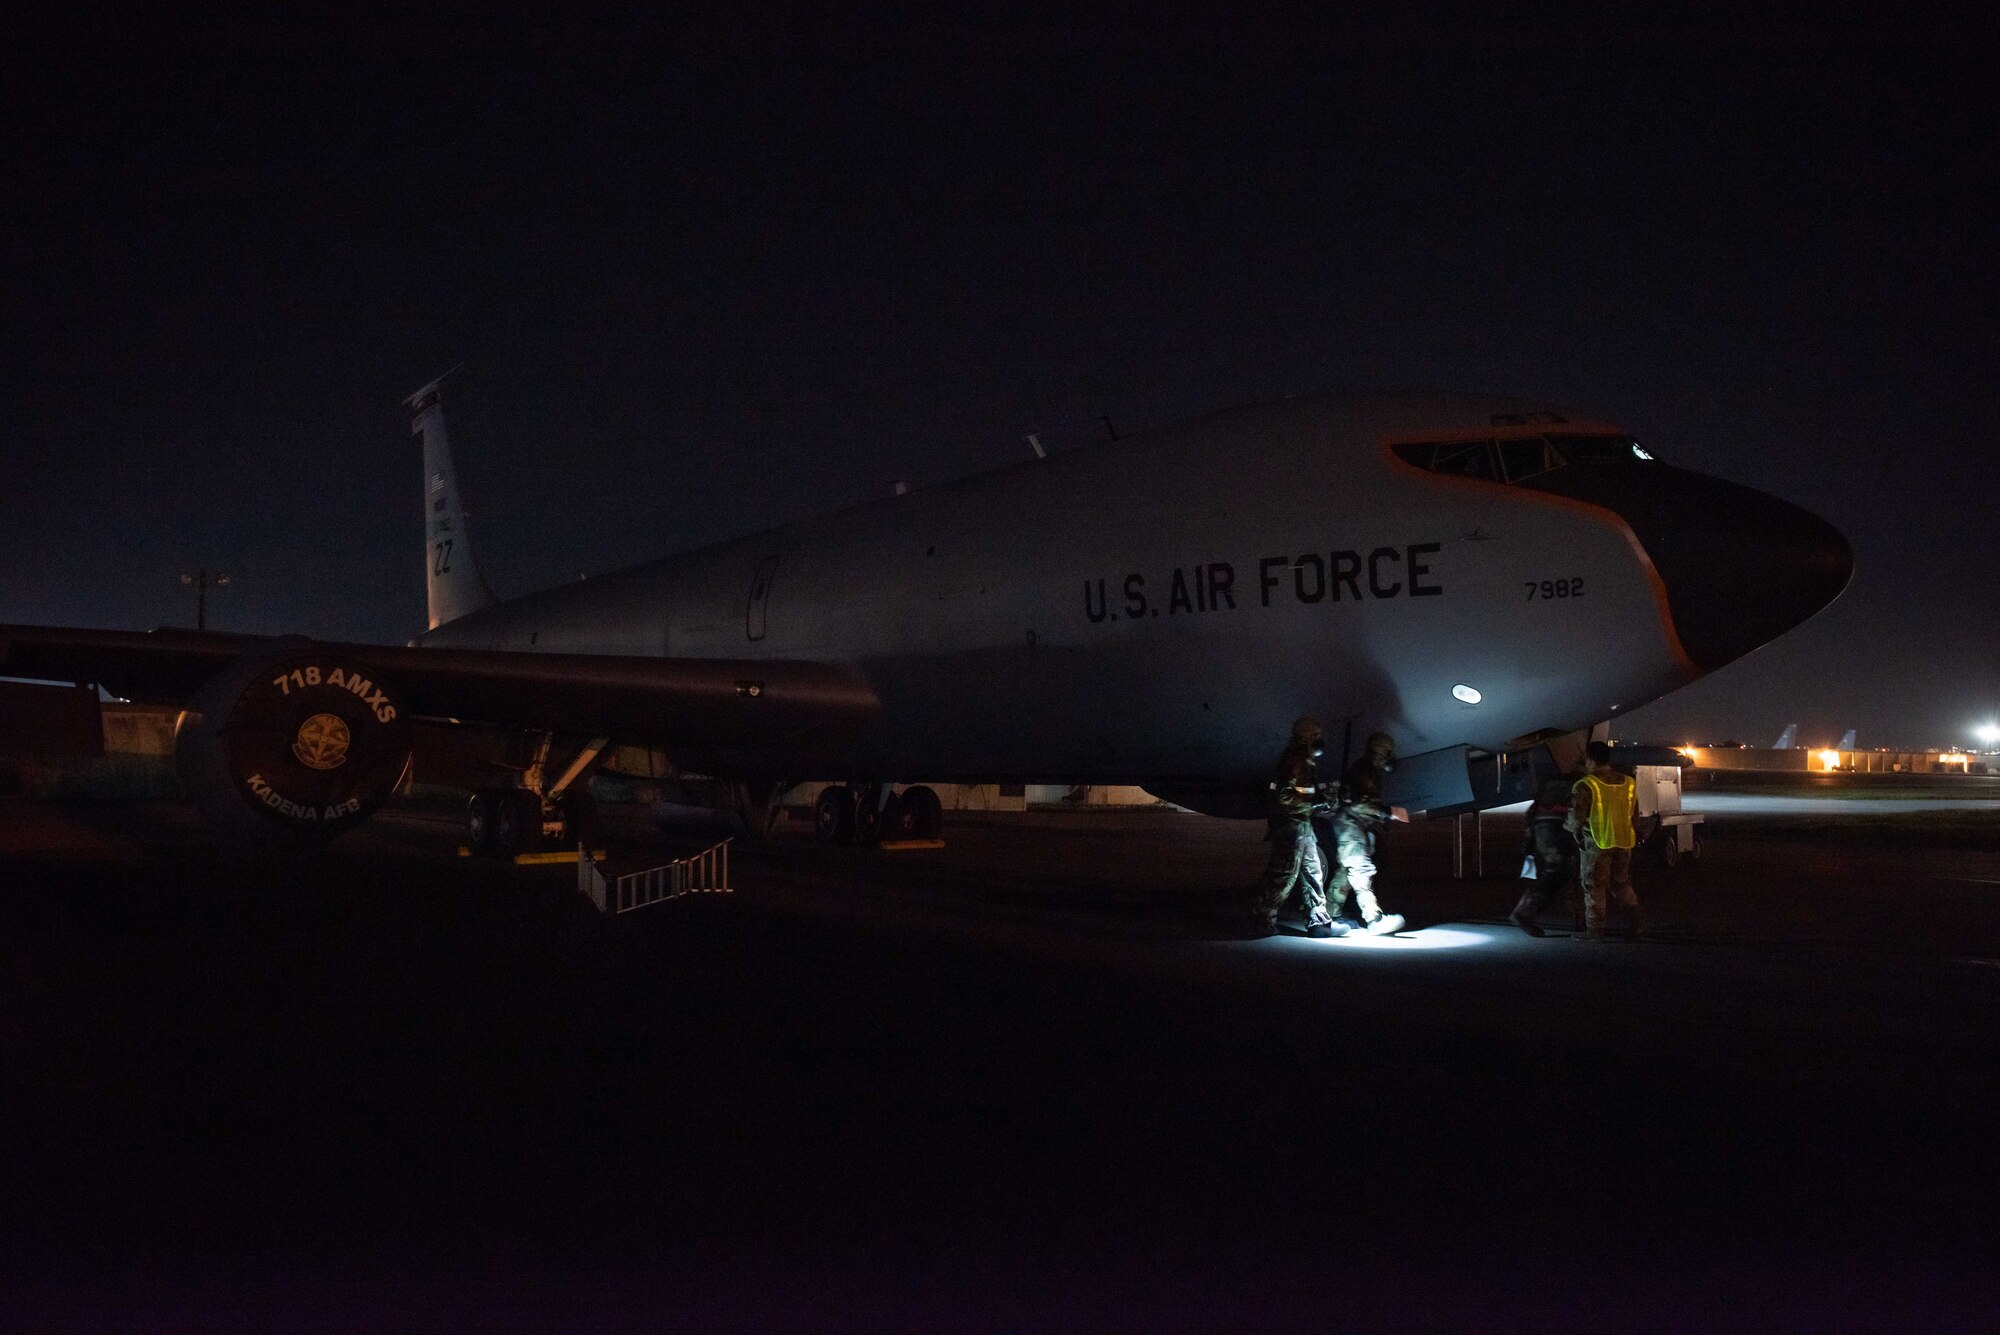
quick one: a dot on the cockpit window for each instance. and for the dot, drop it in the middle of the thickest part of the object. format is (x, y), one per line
(1518, 458)
(1460, 458)
(1471, 458)
(1599, 449)
(1528, 457)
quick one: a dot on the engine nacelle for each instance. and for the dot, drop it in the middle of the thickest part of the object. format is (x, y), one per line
(290, 746)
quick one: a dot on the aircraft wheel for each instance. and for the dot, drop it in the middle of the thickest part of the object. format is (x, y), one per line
(919, 813)
(480, 814)
(900, 820)
(750, 807)
(833, 816)
(517, 825)
(874, 819)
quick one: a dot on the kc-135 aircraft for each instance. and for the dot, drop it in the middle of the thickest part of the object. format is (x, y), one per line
(1480, 577)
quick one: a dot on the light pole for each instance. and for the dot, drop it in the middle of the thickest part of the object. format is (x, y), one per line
(201, 581)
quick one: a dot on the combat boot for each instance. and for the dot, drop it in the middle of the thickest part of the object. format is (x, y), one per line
(1322, 931)
(1258, 924)
(1383, 924)
(1525, 920)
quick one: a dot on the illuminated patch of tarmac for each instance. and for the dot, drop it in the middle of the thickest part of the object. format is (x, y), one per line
(1420, 938)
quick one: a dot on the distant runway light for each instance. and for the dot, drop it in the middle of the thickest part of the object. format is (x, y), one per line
(1465, 693)
(1987, 733)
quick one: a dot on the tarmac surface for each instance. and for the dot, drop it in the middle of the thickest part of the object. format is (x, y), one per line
(1030, 1080)
(1775, 804)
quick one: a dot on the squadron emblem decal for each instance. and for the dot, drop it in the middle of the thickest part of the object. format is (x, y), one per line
(322, 742)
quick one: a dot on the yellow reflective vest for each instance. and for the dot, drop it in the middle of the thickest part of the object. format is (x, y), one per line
(1611, 802)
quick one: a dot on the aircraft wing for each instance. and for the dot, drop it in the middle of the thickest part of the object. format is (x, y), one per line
(692, 702)
(158, 667)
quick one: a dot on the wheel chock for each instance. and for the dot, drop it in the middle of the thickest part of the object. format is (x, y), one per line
(539, 859)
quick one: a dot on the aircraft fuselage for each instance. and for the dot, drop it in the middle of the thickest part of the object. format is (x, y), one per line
(1158, 609)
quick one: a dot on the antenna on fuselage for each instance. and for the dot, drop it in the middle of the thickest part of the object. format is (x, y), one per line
(1035, 444)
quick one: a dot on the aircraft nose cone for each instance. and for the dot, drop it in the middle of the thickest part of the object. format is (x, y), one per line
(1748, 568)
(1740, 567)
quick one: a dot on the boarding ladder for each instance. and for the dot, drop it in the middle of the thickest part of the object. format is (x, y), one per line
(705, 873)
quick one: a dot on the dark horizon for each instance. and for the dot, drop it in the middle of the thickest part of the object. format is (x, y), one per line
(715, 276)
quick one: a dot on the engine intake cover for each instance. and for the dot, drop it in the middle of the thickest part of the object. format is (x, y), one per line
(291, 746)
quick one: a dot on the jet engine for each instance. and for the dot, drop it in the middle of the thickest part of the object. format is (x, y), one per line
(290, 746)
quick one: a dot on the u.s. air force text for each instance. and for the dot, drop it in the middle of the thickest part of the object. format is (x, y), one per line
(1349, 575)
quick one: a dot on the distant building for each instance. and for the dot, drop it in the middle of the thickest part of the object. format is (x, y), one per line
(138, 730)
(1829, 761)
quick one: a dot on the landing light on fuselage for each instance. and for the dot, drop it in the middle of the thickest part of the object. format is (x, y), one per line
(1466, 694)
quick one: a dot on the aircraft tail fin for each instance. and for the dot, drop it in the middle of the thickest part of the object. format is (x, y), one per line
(1846, 741)
(452, 583)
(1787, 739)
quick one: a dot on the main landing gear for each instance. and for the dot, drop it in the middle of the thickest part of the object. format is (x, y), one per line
(536, 816)
(869, 813)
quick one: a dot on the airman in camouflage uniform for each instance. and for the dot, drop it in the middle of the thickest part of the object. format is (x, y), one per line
(1295, 858)
(1356, 819)
(1553, 849)
(1600, 815)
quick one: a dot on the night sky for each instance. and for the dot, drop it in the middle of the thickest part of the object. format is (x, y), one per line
(712, 274)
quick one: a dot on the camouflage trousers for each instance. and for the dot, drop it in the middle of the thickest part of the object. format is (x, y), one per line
(1555, 854)
(1295, 862)
(1607, 872)
(1354, 869)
